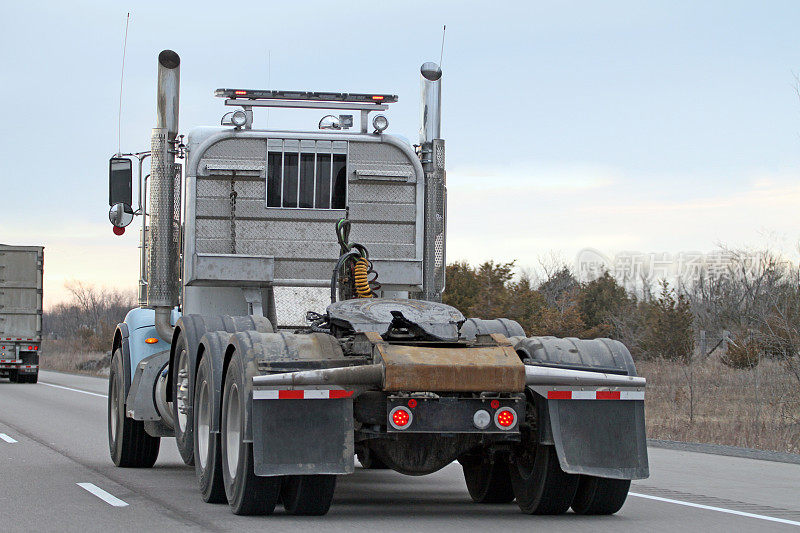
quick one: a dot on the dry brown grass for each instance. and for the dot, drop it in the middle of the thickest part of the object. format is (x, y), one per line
(67, 355)
(754, 408)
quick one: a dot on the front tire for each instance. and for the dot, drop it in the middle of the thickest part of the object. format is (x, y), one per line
(182, 395)
(308, 495)
(600, 496)
(247, 493)
(207, 455)
(128, 442)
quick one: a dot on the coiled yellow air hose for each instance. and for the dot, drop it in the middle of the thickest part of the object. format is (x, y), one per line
(360, 275)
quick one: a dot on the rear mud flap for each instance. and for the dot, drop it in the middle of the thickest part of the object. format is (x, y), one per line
(603, 438)
(299, 437)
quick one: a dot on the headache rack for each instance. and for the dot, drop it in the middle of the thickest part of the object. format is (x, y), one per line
(247, 99)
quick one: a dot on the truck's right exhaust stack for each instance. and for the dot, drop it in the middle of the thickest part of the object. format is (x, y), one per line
(162, 290)
(432, 157)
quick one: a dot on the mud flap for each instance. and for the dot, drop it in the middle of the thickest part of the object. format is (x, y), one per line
(603, 438)
(302, 436)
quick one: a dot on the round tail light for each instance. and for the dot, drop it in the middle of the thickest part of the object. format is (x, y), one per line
(400, 417)
(505, 418)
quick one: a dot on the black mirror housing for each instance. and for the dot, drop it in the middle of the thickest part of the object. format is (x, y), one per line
(120, 181)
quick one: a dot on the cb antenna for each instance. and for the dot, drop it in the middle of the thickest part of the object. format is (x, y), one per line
(121, 80)
(441, 54)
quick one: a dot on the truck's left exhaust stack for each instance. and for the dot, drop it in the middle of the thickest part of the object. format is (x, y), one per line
(162, 292)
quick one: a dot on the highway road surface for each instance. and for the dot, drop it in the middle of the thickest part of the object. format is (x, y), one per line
(56, 475)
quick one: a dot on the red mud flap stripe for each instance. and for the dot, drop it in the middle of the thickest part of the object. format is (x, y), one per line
(594, 395)
(19, 366)
(301, 394)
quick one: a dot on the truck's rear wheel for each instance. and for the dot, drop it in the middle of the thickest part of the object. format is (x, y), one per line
(540, 486)
(207, 458)
(368, 459)
(308, 495)
(247, 493)
(182, 395)
(598, 495)
(488, 482)
(128, 442)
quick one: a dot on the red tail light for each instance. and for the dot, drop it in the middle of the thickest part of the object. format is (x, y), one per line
(505, 418)
(400, 417)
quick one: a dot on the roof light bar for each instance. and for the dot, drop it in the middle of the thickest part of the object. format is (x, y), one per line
(249, 94)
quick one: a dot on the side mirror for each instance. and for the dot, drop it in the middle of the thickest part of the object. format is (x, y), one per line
(120, 215)
(120, 182)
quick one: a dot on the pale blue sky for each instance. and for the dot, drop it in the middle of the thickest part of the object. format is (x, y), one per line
(654, 126)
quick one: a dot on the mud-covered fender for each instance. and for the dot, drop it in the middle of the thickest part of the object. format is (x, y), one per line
(604, 438)
(276, 426)
(258, 350)
(193, 327)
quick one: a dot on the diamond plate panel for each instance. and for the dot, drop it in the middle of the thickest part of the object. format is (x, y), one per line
(255, 149)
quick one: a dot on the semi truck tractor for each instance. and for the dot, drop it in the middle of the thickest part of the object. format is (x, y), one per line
(21, 270)
(290, 320)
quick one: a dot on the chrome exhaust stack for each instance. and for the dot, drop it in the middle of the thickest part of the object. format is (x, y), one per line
(162, 292)
(432, 158)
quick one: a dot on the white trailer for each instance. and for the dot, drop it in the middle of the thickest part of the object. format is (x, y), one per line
(21, 269)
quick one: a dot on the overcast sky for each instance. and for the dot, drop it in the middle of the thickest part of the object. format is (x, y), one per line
(651, 126)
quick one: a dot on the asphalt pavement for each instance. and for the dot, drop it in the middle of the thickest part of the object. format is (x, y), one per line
(56, 474)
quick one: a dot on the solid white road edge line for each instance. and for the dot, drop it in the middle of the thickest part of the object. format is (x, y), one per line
(7, 438)
(718, 509)
(103, 495)
(74, 390)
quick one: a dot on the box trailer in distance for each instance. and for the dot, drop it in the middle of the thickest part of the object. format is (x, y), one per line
(344, 223)
(21, 269)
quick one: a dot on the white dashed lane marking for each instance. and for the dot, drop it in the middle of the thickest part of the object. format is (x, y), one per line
(717, 509)
(75, 390)
(110, 499)
(7, 438)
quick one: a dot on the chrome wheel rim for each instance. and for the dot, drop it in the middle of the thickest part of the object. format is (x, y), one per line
(233, 426)
(203, 424)
(182, 388)
(114, 408)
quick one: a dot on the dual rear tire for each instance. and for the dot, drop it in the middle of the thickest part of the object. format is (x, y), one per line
(247, 493)
(541, 487)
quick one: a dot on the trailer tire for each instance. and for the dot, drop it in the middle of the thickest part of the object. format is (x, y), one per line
(182, 394)
(488, 482)
(13, 376)
(308, 495)
(129, 444)
(207, 455)
(540, 486)
(600, 496)
(247, 493)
